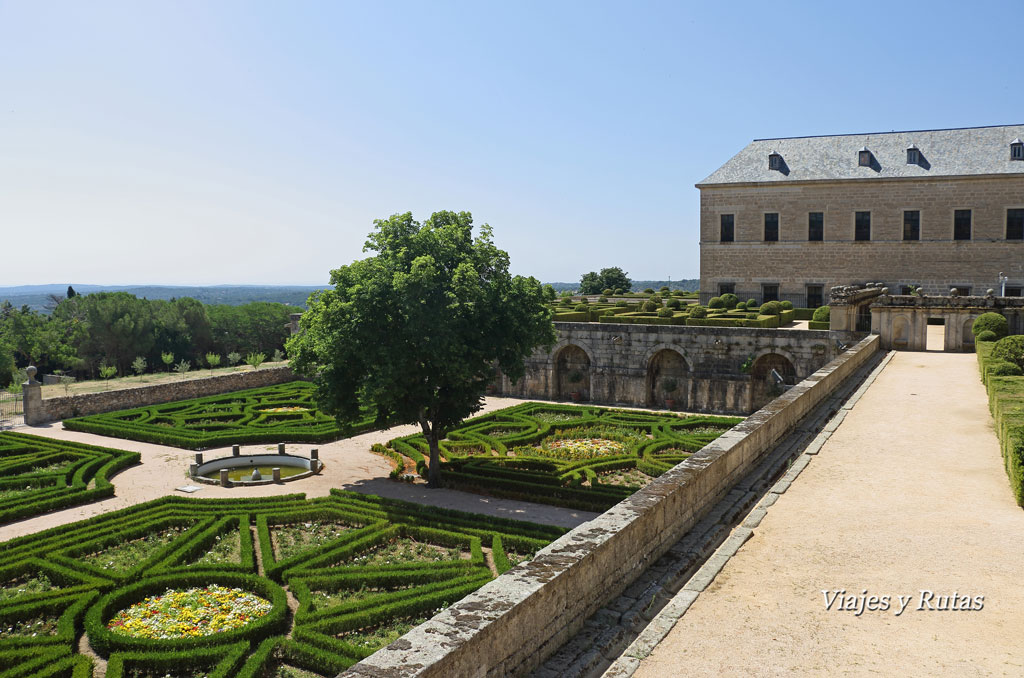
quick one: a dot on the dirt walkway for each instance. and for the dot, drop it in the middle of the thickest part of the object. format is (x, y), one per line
(348, 465)
(909, 494)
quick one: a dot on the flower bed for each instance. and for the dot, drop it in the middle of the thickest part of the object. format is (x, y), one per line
(190, 613)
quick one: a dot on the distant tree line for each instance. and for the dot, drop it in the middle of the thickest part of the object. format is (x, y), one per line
(85, 333)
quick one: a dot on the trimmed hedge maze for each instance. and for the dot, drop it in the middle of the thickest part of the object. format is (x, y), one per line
(41, 474)
(285, 413)
(362, 570)
(587, 458)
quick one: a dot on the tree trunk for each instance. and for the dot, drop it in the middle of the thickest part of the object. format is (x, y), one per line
(432, 434)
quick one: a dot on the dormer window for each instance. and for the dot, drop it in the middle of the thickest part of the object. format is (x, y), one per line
(1017, 150)
(864, 157)
(775, 161)
(913, 155)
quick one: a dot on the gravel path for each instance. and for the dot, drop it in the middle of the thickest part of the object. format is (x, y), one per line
(908, 494)
(348, 465)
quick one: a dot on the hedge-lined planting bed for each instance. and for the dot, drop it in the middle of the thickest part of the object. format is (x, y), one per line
(38, 474)
(675, 312)
(579, 457)
(1006, 402)
(274, 414)
(381, 566)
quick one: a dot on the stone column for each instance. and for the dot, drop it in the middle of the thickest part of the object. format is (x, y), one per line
(32, 399)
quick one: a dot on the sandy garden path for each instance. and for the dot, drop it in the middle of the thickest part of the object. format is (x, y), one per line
(909, 494)
(348, 465)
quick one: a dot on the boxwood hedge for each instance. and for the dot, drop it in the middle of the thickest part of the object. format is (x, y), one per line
(497, 453)
(273, 414)
(42, 474)
(339, 590)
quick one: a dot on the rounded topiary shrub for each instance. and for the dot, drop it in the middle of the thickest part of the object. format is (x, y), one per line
(663, 288)
(607, 292)
(991, 322)
(1010, 349)
(730, 300)
(771, 308)
(603, 299)
(619, 290)
(664, 312)
(1002, 368)
(752, 316)
(584, 300)
(751, 303)
(649, 290)
(674, 303)
(821, 314)
(986, 335)
(786, 305)
(621, 304)
(716, 302)
(698, 312)
(650, 306)
(581, 307)
(741, 306)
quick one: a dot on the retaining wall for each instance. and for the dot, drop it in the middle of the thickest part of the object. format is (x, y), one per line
(40, 410)
(510, 625)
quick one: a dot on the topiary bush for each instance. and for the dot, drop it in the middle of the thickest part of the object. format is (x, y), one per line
(986, 335)
(650, 306)
(664, 312)
(698, 312)
(1002, 368)
(821, 314)
(716, 303)
(664, 288)
(603, 299)
(674, 303)
(786, 305)
(751, 303)
(771, 308)
(619, 290)
(621, 304)
(649, 290)
(1010, 349)
(730, 300)
(607, 292)
(581, 307)
(991, 322)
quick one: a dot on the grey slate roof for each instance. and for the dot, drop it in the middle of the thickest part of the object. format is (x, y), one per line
(944, 152)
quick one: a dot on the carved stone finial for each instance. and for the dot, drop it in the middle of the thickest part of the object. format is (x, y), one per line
(30, 372)
(990, 292)
(953, 292)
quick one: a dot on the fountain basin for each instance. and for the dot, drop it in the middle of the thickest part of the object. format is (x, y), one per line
(240, 468)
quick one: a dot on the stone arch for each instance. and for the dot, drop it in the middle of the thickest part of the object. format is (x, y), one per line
(668, 378)
(572, 373)
(763, 386)
(901, 332)
(967, 333)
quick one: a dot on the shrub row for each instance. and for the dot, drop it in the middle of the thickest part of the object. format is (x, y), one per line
(1006, 402)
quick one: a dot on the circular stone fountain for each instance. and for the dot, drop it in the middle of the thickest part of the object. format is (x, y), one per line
(255, 469)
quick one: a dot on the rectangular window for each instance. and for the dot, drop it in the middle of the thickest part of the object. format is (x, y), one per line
(862, 226)
(769, 293)
(726, 288)
(911, 225)
(962, 290)
(771, 227)
(962, 225)
(1013, 291)
(816, 226)
(728, 222)
(1015, 224)
(907, 289)
(815, 296)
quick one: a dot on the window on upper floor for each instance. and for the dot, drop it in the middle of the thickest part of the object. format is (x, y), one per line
(1017, 150)
(911, 225)
(962, 225)
(864, 157)
(913, 155)
(775, 161)
(1015, 224)
(862, 226)
(726, 232)
(771, 227)
(816, 226)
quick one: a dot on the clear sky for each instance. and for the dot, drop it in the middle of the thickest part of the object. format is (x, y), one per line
(210, 142)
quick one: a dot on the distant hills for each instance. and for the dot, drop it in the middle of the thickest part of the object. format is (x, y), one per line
(38, 298)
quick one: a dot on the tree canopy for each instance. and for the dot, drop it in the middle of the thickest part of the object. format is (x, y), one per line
(416, 330)
(609, 278)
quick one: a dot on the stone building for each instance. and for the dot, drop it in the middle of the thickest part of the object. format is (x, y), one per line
(788, 219)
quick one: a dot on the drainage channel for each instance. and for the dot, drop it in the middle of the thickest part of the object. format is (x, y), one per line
(614, 639)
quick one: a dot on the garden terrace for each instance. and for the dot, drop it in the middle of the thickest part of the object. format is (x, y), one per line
(672, 311)
(38, 475)
(1006, 403)
(578, 457)
(362, 570)
(274, 414)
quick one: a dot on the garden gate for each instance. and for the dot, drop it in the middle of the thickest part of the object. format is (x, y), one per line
(11, 412)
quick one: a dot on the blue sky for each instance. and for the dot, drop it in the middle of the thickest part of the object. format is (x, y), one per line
(255, 142)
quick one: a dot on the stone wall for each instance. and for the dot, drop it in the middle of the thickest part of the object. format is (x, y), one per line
(936, 261)
(510, 625)
(622, 364)
(44, 410)
(901, 321)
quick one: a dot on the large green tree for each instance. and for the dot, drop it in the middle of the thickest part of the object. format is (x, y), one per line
(608, 279)
(416, 329)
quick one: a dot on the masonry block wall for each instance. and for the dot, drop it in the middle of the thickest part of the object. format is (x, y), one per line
(936, 261)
